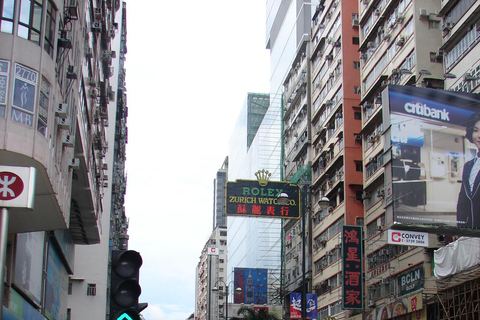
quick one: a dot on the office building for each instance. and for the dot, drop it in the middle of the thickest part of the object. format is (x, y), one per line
(254, 145)
(59, 113)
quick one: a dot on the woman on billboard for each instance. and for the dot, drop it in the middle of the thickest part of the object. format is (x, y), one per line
(468, 205)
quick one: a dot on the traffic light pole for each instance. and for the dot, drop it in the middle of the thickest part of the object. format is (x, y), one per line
(3, 251)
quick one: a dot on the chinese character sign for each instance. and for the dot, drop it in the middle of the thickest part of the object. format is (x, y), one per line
(352, 267)
(249, 198)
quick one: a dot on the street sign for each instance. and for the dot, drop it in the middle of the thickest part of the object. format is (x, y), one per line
(17, 187)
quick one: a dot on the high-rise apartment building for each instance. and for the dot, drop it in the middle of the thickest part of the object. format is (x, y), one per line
(210, 299)
(322, 122)
(399, 44)
(63, 112)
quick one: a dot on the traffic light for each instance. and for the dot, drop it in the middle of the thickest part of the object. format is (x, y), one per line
(124, 284)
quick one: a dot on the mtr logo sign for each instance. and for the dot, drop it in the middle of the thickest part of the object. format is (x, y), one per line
(408, 238)
(17, 187)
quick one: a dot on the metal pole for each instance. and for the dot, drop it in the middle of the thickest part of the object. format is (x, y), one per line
(3, 251)
(304, 295)
(226, 304)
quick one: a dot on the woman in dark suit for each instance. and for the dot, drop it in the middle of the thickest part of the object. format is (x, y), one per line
(468, 205)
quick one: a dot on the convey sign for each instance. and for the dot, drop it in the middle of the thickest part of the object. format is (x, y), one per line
(17, 185)
(408, 238)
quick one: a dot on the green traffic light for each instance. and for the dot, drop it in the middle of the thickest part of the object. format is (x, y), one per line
(128, 315)
(124, 316)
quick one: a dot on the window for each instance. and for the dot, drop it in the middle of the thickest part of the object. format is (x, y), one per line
(91, 289)
(69, 314)
(355, 40)
(6, 15)
(70, 288)
(357, 115)
(4, 69)
(356, 90)
(43, 107)
(50, 28)
(356, 64)
(433, 24)
(30, 20)
(24, 87)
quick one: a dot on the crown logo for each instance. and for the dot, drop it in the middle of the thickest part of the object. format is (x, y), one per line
(263, 176)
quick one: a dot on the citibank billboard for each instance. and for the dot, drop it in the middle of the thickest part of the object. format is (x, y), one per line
(431, 143)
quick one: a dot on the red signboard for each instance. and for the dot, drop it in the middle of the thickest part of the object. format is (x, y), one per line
(352, 272)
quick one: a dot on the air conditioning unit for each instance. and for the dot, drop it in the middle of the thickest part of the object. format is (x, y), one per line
(88, 52)
(105, 123)
(111, 33)
(75, 164)
(365, 195)
(92, 82)
(64, 123)
(384, 83)
(97, 13)
(400, 18)
(387, 36)
(381, 193)
(329, 56)
(363, 56)
(93, 93)
(371, 303)
(358, 137)
(384, 252)
(68, 140)
(104, 166)
(355, 23)
(96, 26)
(395, 70)
(370, 44)
(379, 228)
(423, 13)
(400, 41)
(105, 177)
(62, 110)
(105, 55)
(382, 281)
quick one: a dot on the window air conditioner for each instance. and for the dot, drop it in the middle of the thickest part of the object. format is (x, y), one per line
(61, 110)
(75, 164)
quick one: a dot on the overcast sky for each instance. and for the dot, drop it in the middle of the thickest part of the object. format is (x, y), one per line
(190, 65)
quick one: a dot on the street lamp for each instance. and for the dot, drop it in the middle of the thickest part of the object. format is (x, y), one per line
(324, 203)
(237, 290)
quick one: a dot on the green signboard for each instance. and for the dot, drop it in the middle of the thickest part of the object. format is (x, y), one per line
(261, 199)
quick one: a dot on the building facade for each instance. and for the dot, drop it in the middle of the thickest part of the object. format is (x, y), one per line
(60, 114)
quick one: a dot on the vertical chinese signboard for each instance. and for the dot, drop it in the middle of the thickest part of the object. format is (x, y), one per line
(352, 267)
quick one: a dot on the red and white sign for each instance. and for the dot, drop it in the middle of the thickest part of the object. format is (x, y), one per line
(408, 238)
(17, 187)
(213, 250)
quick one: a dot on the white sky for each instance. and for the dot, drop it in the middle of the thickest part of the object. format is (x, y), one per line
(189, 67)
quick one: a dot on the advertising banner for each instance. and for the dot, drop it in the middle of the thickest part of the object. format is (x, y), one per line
(249, 198)
(312, 312)
(254, 285)
(433, 144)
(411, 280)
(29, 264)
(407, 238)
(352, 270)
(295, 305)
